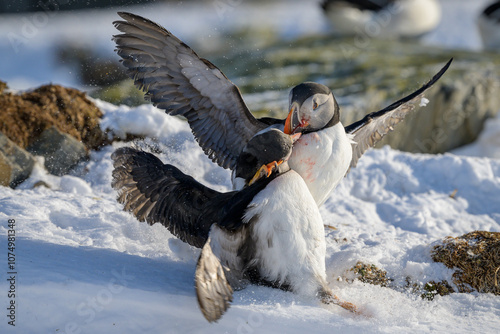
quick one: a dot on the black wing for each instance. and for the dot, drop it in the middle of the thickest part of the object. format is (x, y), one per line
(374, 126)
(373, 5)
(181, 83)
(158, 193)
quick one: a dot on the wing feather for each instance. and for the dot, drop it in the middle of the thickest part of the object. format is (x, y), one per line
(158, 193)
(213, 291)
(374, 126)
(177, 80)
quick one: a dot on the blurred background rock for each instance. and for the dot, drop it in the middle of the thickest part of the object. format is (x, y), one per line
(267, 47)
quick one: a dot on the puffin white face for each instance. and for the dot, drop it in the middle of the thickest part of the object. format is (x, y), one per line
(312, 108)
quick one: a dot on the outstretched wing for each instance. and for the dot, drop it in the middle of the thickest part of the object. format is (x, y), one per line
(181, 83)
(374, 126)
(160, 193)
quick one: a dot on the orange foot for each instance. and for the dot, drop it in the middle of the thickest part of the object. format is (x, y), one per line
(330, 298)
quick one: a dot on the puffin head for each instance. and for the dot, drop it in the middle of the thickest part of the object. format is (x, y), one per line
(312, 108)
(267, 152)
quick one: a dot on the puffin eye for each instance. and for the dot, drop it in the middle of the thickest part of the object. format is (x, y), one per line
(315, 105)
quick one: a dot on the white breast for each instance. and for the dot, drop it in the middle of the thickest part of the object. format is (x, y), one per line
(322, 158)
(289, 234)
(405, 18)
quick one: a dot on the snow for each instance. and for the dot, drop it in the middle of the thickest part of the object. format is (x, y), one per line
(85, 266)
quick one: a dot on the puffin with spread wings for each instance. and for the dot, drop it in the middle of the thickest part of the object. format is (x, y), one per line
(269, 233)
(178, 81)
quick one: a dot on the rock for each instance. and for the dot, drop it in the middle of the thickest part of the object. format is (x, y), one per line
(454, 117)
(15, 163)
(367, 75)
(5, 170)
(60, 150)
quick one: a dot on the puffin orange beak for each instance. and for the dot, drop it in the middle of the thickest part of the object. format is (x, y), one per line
(292, 122)
(296, 136)
(288, 122)
(265, 170)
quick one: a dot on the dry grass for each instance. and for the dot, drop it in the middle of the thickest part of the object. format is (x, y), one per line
(476, 256)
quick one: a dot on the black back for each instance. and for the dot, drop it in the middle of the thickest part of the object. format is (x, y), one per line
(373, 5)
(493, 11)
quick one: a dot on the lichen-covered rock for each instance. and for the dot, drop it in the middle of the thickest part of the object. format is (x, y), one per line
(60, 150)
(15, 163)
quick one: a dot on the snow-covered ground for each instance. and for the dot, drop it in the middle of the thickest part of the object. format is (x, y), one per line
(85, 266)
(29, 41)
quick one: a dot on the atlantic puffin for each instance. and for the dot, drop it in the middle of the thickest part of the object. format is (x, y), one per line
(382, 18)
(489, 26)
(269, 233)
(177, 80)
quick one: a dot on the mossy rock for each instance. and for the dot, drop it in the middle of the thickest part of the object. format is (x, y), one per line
(25, 116)
(476, 258)
(369, 273)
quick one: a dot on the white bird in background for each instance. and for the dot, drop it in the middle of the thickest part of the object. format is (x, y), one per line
(489, 26)
(177, 80)
(383, 18)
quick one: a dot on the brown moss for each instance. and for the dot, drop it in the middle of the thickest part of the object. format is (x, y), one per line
(476, 256)
(24, 116)
(369, 273)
